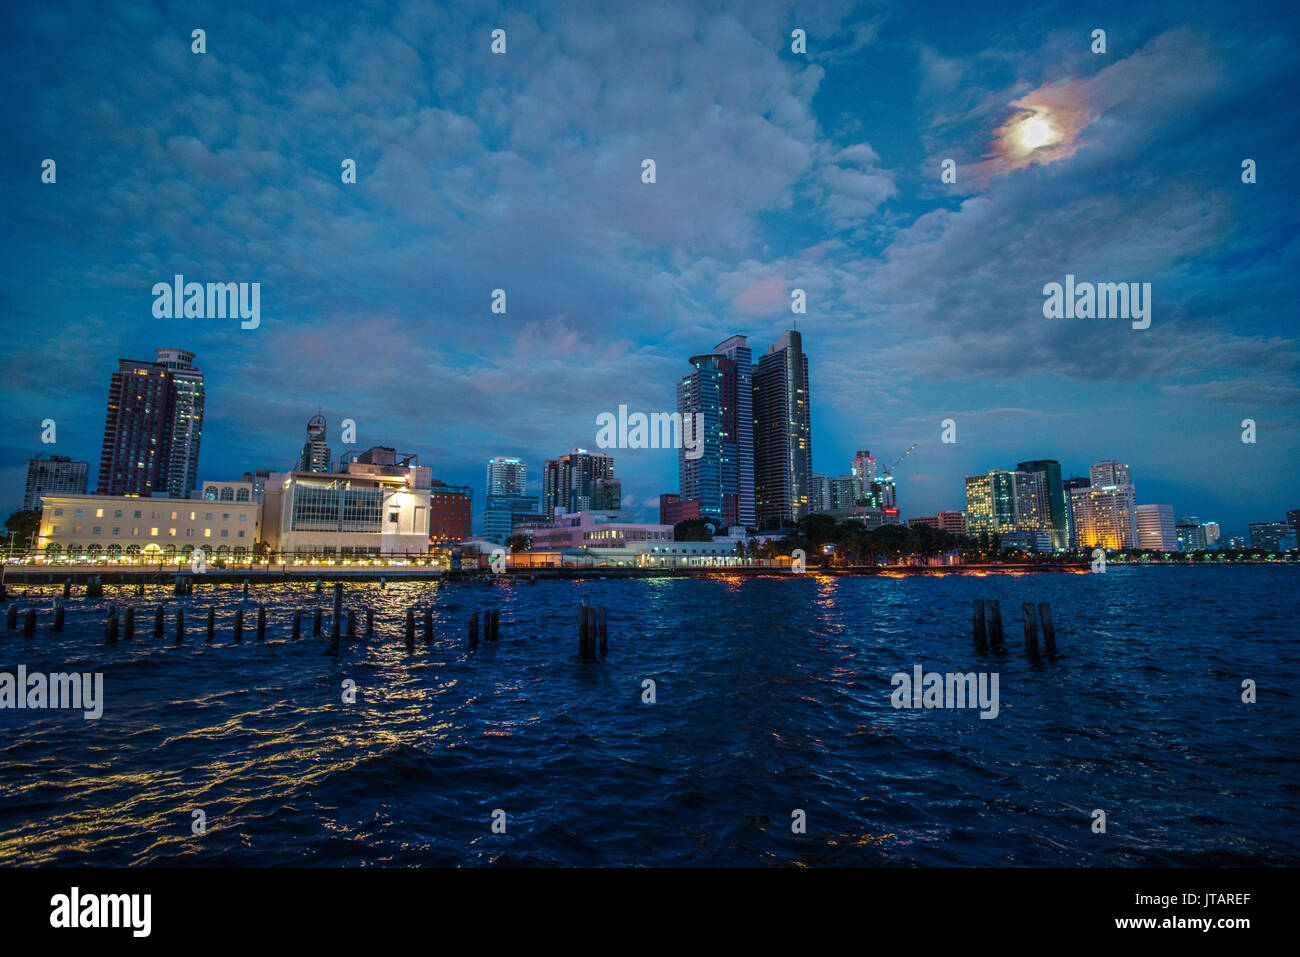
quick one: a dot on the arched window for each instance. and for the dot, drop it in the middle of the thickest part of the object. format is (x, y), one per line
(54, 553)
(169, 553)
(74, 553)
(94, 553)
(133, 553)
(187, 554)
(242, 495)
(210, 494)
(114, 552)
(223, 552)
(241, 553)
(227, 493)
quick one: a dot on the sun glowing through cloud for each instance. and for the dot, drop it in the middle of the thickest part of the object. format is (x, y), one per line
(1044, 128)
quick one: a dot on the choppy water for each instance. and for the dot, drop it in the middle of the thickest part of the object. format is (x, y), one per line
(772, 694)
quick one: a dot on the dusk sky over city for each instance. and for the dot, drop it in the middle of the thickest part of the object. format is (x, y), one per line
(775, 171)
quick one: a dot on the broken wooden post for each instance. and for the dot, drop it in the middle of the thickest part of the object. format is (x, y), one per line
(410, 629)
(261, 622)
(352, 623)
(1031, 629)
(318, 586)
(586, 637)
(245, 586)
(128, 625)
(603, 627)
(110, 629)
(981, 642)
(994, 608)
(428, 625)
(29, 622)
(58, 615)
(11, 617)
(338, 609)
(297, 623)
(158, 623)
(370, 622)
(1049, 630)
(239, 625)
(212, 622)
(492, 619)
(473, 629)
(180, 625)
(67, 588)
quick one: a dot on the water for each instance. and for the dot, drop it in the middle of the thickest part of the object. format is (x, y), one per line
(773, 694)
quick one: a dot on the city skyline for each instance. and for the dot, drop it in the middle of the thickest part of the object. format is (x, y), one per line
(817, 172)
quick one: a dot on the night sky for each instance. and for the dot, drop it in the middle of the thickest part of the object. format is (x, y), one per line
(775, 171)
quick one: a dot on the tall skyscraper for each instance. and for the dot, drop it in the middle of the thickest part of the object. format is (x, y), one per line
(56, 475)
(153, 427)
(864, 473)
(1005, 503)
(315, 454)
(718, 395)
(1105, 517)
(1068, 486)
(569, 482)
(1054, 493)
(1156, 528)
(506, 476)
(1108, 472)
(782, 431)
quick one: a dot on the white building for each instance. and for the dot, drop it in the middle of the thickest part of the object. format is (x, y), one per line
(1156, 529)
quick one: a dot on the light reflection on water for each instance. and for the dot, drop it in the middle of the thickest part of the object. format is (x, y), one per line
(773, 694)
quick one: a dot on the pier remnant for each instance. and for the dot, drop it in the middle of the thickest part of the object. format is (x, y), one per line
(261, 622)
(473, 629)
(297, 623)
(981, 640)
(11, 617)
(1049, 630)
(58, 615)
(158, 623)
(428, 625)
(370, 622)
(1031, 629)
(352, 623)
(128, 625)
(604, 630)
(212, 623)
(29, 622)
(239, 625)
(994, 609)
(110, 628)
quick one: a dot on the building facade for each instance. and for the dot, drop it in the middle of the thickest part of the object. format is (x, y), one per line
(1156, 527)
(1105, 517)
(53, 476)
(506, 477)
(569, 482)
(449, 513)
(1053, 491)
(782, 432)
(315, 453)
(501, 513)
(597, 530)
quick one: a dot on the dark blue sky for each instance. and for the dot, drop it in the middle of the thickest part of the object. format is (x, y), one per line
(775, 171)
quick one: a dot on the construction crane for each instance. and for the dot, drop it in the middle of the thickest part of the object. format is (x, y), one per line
(890, 471)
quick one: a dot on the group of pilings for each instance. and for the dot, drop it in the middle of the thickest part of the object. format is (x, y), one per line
(593, 631)
(491, 626)
(988, 627)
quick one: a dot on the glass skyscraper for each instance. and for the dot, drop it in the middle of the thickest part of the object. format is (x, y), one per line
(782, 432)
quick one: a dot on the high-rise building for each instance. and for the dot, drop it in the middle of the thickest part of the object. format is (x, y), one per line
(1067, 487)
(951, 522)
(1270, 536)
(501, 513)
(1105, 517)
(1191, 534)
(1156, 528)
(782, 431)
(1009, 503)
(864, 473)
(569, 482)
(819, 493)
(153, 427)
(315, 454)
(56, 475)
(607, 495)
(1107, 473)
(186, 427)
(1054, 492)
(1212, 533)
(737, 426)
(1293, 519)
(716, 398)
(506, 476)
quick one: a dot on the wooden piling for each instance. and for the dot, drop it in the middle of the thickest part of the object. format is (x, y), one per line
(239, 625)
(428, 625)
(586, 641)
(410, 629)
(58, 616)
(316, 624)
(1049, 630)
(981, 642)
(158, 623)
(261, 622)
(11, 617)
(128, 625)
(370, 622)
(338, 613)
(297, 623)
(1031, 629)
(603, 627)
(29, 622)
(994, 608)
(212, 623)
(492, 624)
(352, 623)
(318, 586)
(110, 629)
(67, 588)
(180, 625)
(245, 586)
(473, 629)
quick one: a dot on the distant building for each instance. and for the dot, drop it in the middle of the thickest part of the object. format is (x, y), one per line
(1068, 486)
(376, 503)
(864, 473)
(1004, 503)
(1212, 533)
(1270, 536)
(56, 475)
(782, 431)
(449, 513)
(315, 453)
(153, 427)
(597, 530)
(1054, 492)
(501, 513)
(506, 477)
(569, 482)
(241, 491)
(952, 522)
(1191, 535)
(607, 494)
(122, 528)
(1293, 519)
(819, 493)
(716, 397)
(1107, 473)
(1105, 517)
(1156, 528)
(673, 510)
(257, 478)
